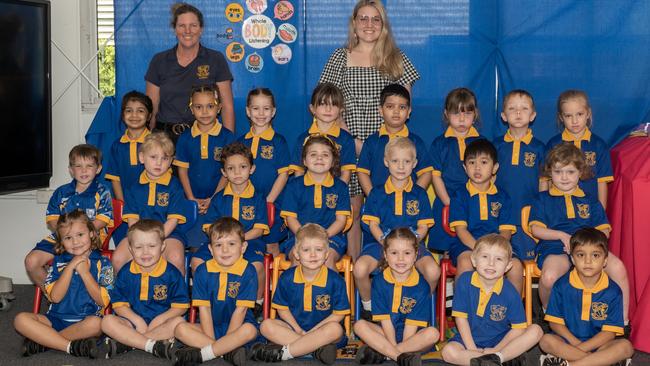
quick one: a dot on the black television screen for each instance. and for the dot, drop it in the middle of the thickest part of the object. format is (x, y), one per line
(25, 95)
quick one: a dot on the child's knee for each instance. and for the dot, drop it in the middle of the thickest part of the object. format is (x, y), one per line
(249, 332)
(333, 330)
(267, 326)
(35, 261)
(449, 353)
(181, 329)
(360, 326)
(431, 334)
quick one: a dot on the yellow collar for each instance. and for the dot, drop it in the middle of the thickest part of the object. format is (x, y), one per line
(266, 135)
(237, 268)
(476, 282)
(327, 182)
(214, 131)
(528, 137)
(157, 271)
(567, 136)
(575, 281)
(320, 280)
(412, 280)
(553, 191)
(404, 132)
(473, 191)
(471, 133)
(390, 188)
(335, 130)
(164, 179)
(248, 192)
(126, 139)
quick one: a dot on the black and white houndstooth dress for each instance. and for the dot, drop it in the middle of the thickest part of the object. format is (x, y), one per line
(361, 87)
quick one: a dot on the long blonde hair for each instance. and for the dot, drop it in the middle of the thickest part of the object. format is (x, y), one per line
(385, 54)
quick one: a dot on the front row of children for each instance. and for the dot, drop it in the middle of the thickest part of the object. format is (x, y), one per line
(149, 298)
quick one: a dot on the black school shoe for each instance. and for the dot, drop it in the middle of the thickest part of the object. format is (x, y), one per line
(187, 356)
(163, 349)
(111, 348)
(367, 356)
(326, 354)
(84, 348)
(550, 360)
(486, 360)
(266, 352)
(409, 359)
(517, 361)
(236, 357)
(366, 315)
(30, 348)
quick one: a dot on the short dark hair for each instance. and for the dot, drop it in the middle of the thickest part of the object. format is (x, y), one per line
(481, 147)
(520, 92)
(326, 93)
(226, 225)
(179, 9)
(136, 96)
(394, 90)
(236, 148)
(85, 151)
(588, 236)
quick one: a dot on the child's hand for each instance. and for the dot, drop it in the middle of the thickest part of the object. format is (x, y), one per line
(140, 325)
(203, 205)
(83, 264)
(566, 239)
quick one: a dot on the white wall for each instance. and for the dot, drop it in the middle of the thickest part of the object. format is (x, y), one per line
(23, 219)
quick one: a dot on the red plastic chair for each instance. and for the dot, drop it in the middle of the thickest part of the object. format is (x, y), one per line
(447, 269)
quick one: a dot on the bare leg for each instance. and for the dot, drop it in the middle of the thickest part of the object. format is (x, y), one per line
(175, 253)
(165, 330)
(259, 268)
(39, 329)
(516, 275)
(423, 340)
(35, 263)
(354, 235)
(610, 353)
(192, 335)
(522, 343)
(273, 249)
(373, 335)
(616, 270)
(362, 269)
(455, 353)
(281, 333)
(555, 266)
(430, 270)
(195, 263)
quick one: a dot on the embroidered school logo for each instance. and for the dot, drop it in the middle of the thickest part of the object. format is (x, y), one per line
(160, 292)
(599, 310)
(248, 213)
(323, 302)
(162, 199)
(233, 289)
(497, 312)
(590, 157)
(495, 207)
(529, 159)
(330, 200)
(203, 71)
(407, 305)
(583, 210)
(217, 153)
(412, 207)
(267, 152)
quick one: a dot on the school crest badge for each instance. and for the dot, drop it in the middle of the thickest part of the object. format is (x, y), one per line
(497, 312)
(599, 310)
(590, 157)
(331, 199)
(529, 159)
(407, 305)
(412, 207)
(216, 153)
(583, 210)
(248, 213)
(495, 207)
(233, 289)
(162, 199)
(203, 71)
(323, 302)
(267, 152)
(160, 292)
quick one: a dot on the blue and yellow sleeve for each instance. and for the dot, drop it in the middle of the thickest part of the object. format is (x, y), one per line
(461, 304)
(381, 295)
(424, 164)
(458, 215)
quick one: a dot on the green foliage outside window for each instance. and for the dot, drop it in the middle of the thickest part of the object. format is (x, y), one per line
(107, 71)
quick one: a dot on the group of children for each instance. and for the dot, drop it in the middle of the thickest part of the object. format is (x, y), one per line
(238, 186)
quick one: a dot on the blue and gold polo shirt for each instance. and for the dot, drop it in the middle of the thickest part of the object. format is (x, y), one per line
(150, 294)
(404, 303)
(95, 202)
(224, 289)
(310, 302)
(490, 313)
(249, 208)
(342, 138)
(447, 154)
(596, 155)
(586, 311)
(271, 158)
(123, 164)
(481, 212)
(371, 159)
(161, 199)
(200, 153)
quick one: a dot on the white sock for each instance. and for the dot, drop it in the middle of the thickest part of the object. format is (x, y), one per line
(367, 305)
(207, 354)
(148, 347)
(68, 349)
(286, 355)
(500, 356)
(259, 301)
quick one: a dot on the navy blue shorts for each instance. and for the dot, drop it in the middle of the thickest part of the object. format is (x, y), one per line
(46, 245)
(549, 247)
(60, 324)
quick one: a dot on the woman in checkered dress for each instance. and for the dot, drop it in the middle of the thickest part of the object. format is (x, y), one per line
(361, 69)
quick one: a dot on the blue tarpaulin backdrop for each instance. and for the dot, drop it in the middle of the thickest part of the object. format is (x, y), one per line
(602, 47)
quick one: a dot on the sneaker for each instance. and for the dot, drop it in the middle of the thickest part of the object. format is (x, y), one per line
(486, 360)
(111, 348)
(84, 348)
(162, 349)
(626, 362)
(326, 354)
(258, 312)
(30, 348)
(627, 330)
(409, 359)
(236, 357)
(187, 356)
(366, 355)
(550, 360)
(266, 352)
(518, 361)
(366, 315)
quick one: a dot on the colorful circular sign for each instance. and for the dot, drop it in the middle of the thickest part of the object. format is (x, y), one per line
(258, 31)
(235, 51)
(281, 54)
(256, 6)
(234, 12)
(283, 10)
(254, 63)
(287, 33)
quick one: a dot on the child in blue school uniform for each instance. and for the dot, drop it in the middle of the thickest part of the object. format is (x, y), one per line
(488, 311)
(271, 159)
(84, 193)
(395, 109)
(198, 149)
(479, 209)
(159, 196)
(586, 310)
(318, 197)
(240, 200)
(149, 297)
(398, 202)
(224, 291)
(558, 213)
(447, 152)
(311, 301)
(77, 285)
(521, 157)
(401, 303)
(574, 114)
